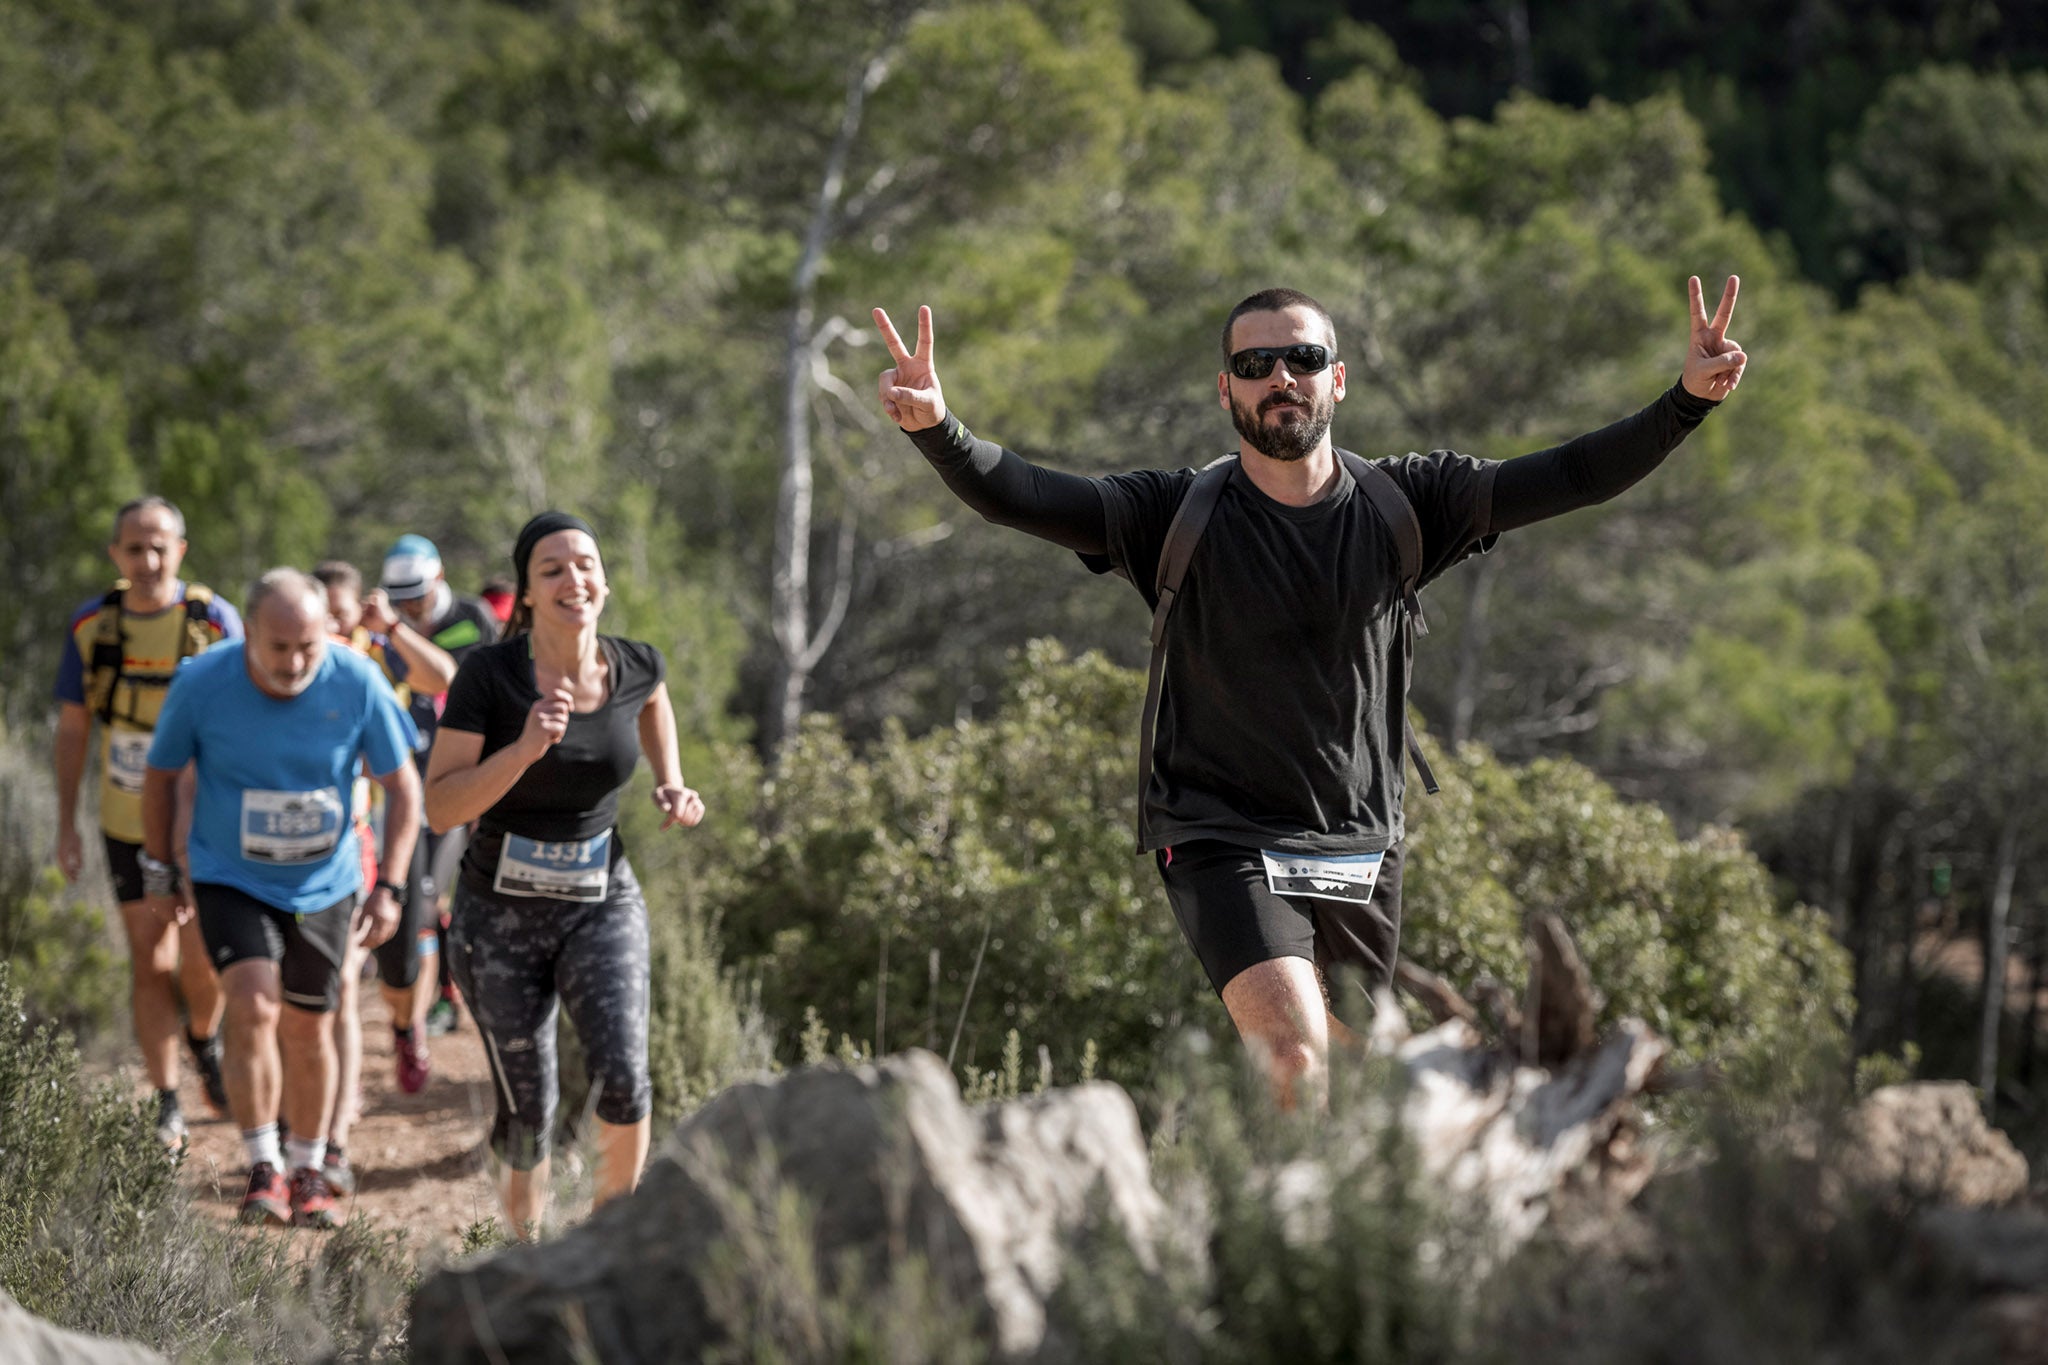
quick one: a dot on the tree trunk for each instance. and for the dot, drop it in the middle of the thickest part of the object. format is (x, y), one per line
(1873, 882)
(2004, 870)
(1472, 638)
(1841, 854)
(798, 647)
(2030, 1027)
(1521, 48)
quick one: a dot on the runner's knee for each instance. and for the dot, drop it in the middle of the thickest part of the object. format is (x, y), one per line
(625, 1092)
(524, 1068)
(253, 1009)
(298, 1027)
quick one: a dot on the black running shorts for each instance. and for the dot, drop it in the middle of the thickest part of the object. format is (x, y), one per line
(307, 948)
(1234, 920)
(124, 861)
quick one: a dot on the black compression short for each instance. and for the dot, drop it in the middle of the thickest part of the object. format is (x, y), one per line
(124, 862)
(1234, 920)
(307, 948)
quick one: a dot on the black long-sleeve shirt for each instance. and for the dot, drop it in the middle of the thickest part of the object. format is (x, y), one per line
(1285, 679)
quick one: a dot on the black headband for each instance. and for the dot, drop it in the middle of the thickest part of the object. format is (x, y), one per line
(539, 529)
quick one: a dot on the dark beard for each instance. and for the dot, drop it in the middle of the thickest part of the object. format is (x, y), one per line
(1286, 440)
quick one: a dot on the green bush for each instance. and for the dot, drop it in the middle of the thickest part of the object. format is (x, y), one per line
(972, 881)
(994, 858)
(1739, 1253)
(98, 1235)
(55, 937)
(1356, 1262)
(705, 1027)
(1682, 933)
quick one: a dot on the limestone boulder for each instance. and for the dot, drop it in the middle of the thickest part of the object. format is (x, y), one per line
(888, 1166)
(26, 1339)
(1927, 1143)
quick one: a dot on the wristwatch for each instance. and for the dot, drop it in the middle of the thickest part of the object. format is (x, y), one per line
(158, 878)
(397, 889)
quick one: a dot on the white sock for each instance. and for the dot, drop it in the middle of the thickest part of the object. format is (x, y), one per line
(261, 1145)
(306, 1152)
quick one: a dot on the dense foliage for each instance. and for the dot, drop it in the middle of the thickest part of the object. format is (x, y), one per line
(97, 1232)
(948, 889)
(324, 273)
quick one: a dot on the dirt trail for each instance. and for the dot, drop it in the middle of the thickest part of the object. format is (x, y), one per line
(419, 1159)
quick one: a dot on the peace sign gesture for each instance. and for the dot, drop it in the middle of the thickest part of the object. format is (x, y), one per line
(910, 391)
(1713, 363)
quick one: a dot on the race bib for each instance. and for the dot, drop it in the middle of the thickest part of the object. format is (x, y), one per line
(291, 827)
(127, 756)
(1346, 878)
(563, 870)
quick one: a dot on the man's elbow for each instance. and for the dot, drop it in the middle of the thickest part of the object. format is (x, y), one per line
(159, 789)
(74, 727)
(402, 786)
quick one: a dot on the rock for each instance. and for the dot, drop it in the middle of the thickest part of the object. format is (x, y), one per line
(1927, 1142)
(888, 1162)
(1519, 1139)
(26, 1339)
(1543, 1113)
(2016, 1325)
(1994, 1250)
(2000, 1256)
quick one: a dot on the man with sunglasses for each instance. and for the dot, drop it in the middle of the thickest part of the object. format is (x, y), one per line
(1273, 810)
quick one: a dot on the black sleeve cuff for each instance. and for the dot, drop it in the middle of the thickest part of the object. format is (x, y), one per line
(949, 438)
(1691, 410)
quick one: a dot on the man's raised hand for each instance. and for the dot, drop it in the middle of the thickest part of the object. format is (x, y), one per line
(1713, 363)
(910, 391)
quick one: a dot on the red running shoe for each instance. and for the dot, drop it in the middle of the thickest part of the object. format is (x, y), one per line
(312, 1201)
(413, 1062)
(268, 1200)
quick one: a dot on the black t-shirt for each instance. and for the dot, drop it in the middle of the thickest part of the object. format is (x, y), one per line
(1281, 719)
(1282, 716)
(572, 791)
(469, 624)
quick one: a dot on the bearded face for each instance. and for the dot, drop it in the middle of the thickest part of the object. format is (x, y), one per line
(1286, 425)
(1281, 380)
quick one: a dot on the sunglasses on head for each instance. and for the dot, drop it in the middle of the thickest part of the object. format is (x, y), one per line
(1256, 362)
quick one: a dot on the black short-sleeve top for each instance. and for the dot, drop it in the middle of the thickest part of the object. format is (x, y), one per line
(571, 791)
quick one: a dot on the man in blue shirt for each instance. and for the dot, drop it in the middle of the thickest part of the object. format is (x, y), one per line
(275, 728)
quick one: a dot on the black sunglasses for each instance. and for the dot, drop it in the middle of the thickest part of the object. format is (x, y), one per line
(1256, 362)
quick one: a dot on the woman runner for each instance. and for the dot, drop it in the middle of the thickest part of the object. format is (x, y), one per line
(540, 733)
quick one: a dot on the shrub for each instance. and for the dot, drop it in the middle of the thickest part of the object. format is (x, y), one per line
(65, 964)
(1320, 1239)
(972, 881)
(979, 879)
(1682, 933)
(1288, 1238)
(98, 1235)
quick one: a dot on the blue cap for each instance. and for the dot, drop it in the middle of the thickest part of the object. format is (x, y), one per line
(410, 568)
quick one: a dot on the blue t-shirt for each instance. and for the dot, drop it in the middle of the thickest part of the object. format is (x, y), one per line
(272, 813)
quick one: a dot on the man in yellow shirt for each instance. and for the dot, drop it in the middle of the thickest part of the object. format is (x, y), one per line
(123, 648)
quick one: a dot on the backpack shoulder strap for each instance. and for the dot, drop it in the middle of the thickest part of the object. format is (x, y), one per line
(198, 632)
(1399, 515)
(1183, 533)
(103, 668)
